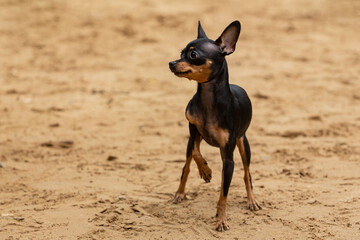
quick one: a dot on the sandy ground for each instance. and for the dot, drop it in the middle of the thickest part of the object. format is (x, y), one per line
(93, 132)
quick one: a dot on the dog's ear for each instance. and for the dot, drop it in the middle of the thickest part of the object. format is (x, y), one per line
(229, 37)
(201, 33)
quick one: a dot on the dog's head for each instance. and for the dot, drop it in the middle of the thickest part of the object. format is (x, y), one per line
(203, 58)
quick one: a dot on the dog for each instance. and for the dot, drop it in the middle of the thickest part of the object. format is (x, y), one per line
(219, 112)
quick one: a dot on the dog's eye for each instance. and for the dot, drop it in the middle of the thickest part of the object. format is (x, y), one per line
(193, 55)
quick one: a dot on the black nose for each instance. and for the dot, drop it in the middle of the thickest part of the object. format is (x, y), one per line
(172, 65)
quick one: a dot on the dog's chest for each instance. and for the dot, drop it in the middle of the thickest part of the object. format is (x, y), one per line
(209, 130)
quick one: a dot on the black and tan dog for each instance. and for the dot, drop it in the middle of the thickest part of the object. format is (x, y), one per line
(220, 113)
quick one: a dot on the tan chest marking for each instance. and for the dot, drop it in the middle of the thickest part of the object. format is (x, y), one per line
(193, 119)
(214, 131)
(221, 135)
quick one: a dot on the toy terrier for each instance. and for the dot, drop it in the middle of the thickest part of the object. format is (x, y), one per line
(219, 112)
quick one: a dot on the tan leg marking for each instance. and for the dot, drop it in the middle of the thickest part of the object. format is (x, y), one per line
(252, 204)
(180, 193)
(204, 170)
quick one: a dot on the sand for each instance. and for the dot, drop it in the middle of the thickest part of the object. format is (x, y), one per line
(93, 133)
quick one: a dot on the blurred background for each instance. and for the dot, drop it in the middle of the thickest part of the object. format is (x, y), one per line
(93, 133)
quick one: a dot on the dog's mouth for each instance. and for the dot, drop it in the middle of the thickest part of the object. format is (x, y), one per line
(182, 73)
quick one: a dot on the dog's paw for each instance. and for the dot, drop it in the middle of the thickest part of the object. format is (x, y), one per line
(205, 173)
(179, 197)
(253, 205)
(222, 225)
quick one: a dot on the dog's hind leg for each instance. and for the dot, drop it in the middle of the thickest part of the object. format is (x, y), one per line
(245, 153)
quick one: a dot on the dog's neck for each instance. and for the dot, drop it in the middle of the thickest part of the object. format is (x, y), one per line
(215, 92)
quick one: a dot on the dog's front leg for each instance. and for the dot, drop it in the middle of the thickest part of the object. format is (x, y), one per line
(226, 176)
(193, 145)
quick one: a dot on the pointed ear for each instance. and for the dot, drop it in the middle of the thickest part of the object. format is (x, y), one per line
(229, 37)
(201, 33)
